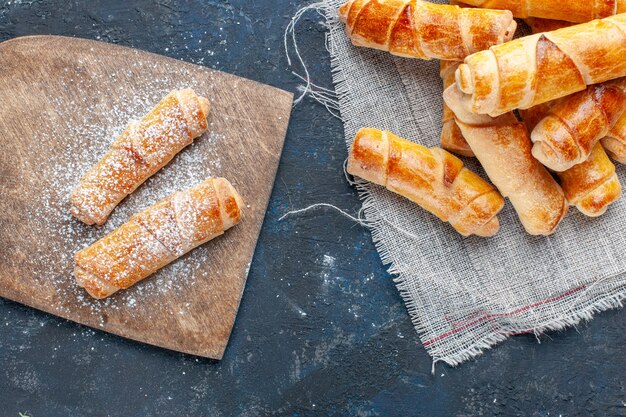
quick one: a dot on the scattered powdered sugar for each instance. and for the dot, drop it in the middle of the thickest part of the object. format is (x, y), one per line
(79, 140)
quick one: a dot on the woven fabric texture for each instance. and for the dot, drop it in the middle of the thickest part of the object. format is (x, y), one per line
(464, 295)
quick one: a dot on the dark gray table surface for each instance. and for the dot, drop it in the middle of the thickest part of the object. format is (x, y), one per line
(321, 329)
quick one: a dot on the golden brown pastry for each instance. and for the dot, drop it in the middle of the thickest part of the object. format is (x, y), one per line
(140, 151)
(418, 29)
(503, 147)
(543, 67)
(570, 10)
(451, 137)
(593, 185)
(156, 236)
(573, 125)
(433, 178)
(590, 186)
(615, 142)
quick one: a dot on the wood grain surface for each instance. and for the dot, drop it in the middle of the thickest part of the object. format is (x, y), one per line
(63, 100)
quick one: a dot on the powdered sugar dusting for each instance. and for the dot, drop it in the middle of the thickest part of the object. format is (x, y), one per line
(99, 119)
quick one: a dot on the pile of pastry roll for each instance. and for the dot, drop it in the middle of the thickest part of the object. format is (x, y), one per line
(168, 229)
(541, 113)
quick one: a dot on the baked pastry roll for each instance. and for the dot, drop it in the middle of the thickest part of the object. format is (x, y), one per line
(593, 185)
(156, 236)
(140, 151)
(544, 66)
(573, 125)
(451, 137)
(615, 141)
(570, 10)
(418, 29)
(433, 178)
(503, 147)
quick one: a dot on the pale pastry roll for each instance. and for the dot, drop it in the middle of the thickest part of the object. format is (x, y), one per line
(615, 142)
(503, 147)
(570, 10)
(433, 178)
(138, 153)
(156, 236)
(418, 29)
(542, 67)
(451, 137)
(593, 185)
(573, 125)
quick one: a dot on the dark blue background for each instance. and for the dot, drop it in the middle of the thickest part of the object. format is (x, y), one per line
(321, 329)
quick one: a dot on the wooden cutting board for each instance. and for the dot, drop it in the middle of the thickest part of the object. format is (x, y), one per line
(63, 101)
